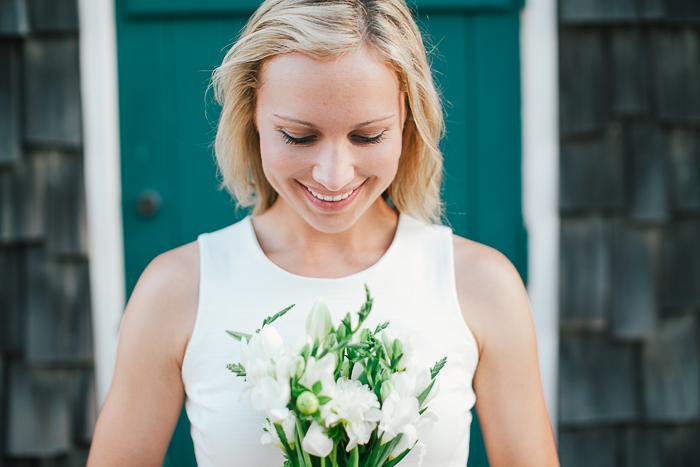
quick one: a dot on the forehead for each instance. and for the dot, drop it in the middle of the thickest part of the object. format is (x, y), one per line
(353, 83)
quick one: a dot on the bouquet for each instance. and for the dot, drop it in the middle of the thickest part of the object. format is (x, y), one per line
(345, 396)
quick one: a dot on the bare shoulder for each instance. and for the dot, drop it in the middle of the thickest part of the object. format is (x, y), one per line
(491, 293)
(166, 296)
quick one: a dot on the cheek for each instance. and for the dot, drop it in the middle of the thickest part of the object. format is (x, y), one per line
(278, 159)
(383, 160)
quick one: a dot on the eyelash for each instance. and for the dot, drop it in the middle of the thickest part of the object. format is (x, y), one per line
(308, 139)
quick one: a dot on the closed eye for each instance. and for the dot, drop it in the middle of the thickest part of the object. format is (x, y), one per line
(369, 140)
(292, 140)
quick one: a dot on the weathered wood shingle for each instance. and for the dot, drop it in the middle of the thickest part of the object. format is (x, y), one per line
(592, 172)
(585, 272)
(634, 302)
(588, 447)
(13, 17)
(650, 200)
(684, 151)
(598, 380)
(680, 264)
(58, 309)
(630, 64)
(52, 98)
(12, 290)
(51, 16)
(671, 371)
(38, 412)
(66, 216)
(596, 11)
(10, 103)
(677, 55)
(23, 199)
(584, 103)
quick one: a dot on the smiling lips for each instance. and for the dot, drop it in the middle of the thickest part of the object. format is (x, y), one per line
(331, 198)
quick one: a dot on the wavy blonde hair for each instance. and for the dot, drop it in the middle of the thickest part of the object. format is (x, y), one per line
(323, 29)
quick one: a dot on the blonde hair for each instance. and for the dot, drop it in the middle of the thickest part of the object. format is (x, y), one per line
(325, 29)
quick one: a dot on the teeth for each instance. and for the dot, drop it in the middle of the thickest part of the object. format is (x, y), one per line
(330, 198)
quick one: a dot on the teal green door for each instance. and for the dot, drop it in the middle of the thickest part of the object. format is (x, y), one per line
(166, 52)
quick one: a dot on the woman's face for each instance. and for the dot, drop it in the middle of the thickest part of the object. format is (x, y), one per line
(330, 134)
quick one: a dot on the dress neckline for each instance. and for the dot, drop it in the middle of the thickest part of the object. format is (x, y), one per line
(258, 251)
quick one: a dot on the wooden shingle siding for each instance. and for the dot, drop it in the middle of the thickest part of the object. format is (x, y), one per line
(588, 447)
(47, 389)
(684, 152)
(58, 309)
(52, 96)
(649, 173)
(23, 203)
(10, 103)
(671, 365)
(586, 245)
(597, 379)
(592, 172)
(677, 56)
(53, 16)
(13, 17)
(629, 388)
(630, 65)
(635, 252)
(583, 103)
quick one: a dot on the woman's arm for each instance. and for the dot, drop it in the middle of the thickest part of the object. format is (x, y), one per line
(509, 398)
(141, 410)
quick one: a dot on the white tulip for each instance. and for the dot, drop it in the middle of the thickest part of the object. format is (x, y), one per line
(319, 370)
(316, 442)
(272, 397)
(319, 323)
(398, 416)
(288, 427)
(414, 437)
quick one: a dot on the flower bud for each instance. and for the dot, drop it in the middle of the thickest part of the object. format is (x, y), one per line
(307, 403)
(345, 369)
(318, 323)
(397, 347)
(387, 387)
(388, 340)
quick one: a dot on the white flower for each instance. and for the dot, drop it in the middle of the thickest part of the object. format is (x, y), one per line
(272, 397)
(288, 426)
(355, 406)
(398, 416)
(318, 323)
(287, 363)
(262, 345)
(316, 442)
(408, 347)
(413, 381)
(319, 370)
(413, 437)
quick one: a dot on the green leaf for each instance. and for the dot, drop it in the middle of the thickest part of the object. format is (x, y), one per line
(317, 388)
(396, 460)
(239, 335)
(236, 368)
(425, 393)
(381, 327)
(287, 448)
(323, 400)
(271, 319)
(438, 366)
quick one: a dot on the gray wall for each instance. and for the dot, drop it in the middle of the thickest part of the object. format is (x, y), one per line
(47, 395)
(630, 233)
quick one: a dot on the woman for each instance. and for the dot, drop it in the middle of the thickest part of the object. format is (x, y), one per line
(329, 109)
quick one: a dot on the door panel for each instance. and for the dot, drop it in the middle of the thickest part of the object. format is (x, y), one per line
(167, 50)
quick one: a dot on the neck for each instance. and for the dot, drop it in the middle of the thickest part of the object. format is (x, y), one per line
(296, 246)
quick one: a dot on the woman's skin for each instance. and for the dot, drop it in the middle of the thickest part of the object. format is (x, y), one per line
(346, 117)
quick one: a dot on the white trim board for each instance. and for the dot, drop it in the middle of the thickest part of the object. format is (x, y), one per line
(540, 103)
(98, 86)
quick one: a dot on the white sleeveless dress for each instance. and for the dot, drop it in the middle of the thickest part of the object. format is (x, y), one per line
(413, 286)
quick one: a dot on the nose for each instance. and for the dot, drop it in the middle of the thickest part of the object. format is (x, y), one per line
(334, 168)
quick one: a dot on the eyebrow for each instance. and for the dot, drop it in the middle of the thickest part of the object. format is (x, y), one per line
(311, 125)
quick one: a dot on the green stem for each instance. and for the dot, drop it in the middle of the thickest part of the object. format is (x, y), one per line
(306, 460)
(334, 456)
(323, 462)
(354, 457)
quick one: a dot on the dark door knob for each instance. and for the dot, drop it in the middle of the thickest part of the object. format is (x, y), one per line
(148, 203)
